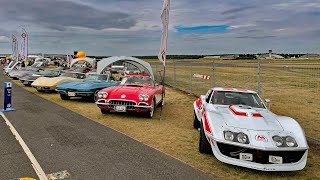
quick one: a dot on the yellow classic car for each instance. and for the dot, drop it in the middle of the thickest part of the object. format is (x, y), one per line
(44, 84)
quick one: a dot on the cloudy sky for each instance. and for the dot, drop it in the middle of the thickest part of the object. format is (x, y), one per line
(133, 27)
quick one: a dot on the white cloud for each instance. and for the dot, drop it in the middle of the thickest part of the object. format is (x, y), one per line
(281, 22)
(4, 39)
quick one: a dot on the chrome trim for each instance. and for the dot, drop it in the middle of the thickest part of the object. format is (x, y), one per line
(107, 104)
(77, 92)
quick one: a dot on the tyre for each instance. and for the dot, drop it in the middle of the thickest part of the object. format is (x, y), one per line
(95, 96)
(104, 111)
(64, 97)
(196, 122)
(149, 114)
(204, 145)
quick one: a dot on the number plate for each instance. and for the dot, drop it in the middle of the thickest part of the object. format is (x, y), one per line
(121, 108)
(246, 156)
(275, 159)
(71, 94)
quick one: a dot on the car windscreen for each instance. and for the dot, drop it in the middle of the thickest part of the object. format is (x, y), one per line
(11, 64)
(49, 72)
(73, 75)
(96, 77)
(30, 68)
(137, 81)
(235, 98)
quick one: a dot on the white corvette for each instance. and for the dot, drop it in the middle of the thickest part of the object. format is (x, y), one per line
(237, 127)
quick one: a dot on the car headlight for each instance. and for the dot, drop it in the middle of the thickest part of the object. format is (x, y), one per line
(242, 138)
(290, 141)
(102, 95)
(278, 140)
(228, 135)
(143, 97)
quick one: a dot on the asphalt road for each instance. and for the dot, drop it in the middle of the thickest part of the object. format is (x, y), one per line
(63, 140)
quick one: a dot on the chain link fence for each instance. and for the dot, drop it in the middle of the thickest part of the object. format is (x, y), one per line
(293, 88)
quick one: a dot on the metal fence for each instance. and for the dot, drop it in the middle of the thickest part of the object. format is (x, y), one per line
(292, 87)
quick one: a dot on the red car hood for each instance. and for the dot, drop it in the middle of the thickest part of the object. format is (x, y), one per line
(130, 92)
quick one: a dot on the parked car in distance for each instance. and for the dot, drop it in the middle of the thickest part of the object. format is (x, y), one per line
(134, 94)
(89, 88)
(28, 79)
(78, 69)
(45, 84)
(238, 128)
(17, 73)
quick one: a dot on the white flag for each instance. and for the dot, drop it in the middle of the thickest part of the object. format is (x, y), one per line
(165, 23)
(15, 48)
(24, 47)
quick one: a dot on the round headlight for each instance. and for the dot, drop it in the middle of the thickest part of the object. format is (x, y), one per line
(146, 98)
(278, 140)
(99, 95)
(104, 95)
(242, 138)
(228, 135)
(290, 141)
(141, 97)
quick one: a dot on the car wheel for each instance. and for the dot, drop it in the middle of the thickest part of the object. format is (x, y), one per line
(105, 111)
(64, 97)
(95, 96)
(204, 145)
(196, 122)
(149, 114)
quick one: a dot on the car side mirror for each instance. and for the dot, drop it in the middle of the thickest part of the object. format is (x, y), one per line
(267, 101)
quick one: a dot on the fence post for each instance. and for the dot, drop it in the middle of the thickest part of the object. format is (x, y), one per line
(213, 81)
(259, 88)
(190, 77)
(174, 74)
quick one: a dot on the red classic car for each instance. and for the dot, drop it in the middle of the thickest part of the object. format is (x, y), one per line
(134, 94)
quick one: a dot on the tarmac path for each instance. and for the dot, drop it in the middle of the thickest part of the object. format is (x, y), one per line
(63, 140)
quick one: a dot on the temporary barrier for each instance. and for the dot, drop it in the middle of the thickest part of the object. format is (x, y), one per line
(7, 106)
(201, 76)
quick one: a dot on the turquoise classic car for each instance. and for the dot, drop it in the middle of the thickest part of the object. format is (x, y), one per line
(88, 89)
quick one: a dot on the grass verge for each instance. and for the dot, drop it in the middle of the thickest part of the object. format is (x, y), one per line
(175, 135)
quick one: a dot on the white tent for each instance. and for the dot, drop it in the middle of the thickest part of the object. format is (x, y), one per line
(138, 63)
(89, 60)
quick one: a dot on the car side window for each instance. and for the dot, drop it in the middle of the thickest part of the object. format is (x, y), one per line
(208, 96)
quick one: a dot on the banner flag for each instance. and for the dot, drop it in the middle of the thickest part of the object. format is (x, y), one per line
(165, 23)
(24, 42)
(15, 48)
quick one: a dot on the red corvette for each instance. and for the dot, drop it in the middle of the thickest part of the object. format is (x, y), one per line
(134, 94)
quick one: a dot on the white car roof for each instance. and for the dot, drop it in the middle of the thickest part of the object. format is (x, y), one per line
(233, 90)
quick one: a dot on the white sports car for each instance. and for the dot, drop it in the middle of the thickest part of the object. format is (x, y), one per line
(237, 127)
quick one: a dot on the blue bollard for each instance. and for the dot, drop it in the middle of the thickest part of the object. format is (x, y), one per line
(7, 106)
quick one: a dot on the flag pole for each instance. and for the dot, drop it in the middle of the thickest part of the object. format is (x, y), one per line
(163, 49)
(163, 90)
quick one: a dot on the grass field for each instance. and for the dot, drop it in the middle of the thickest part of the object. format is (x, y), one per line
(175, 135)
(294, 92)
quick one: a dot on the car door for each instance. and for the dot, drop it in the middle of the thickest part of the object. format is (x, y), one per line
(158, 92)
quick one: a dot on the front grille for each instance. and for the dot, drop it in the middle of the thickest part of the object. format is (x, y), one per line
(260, 156)
(129, 104)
